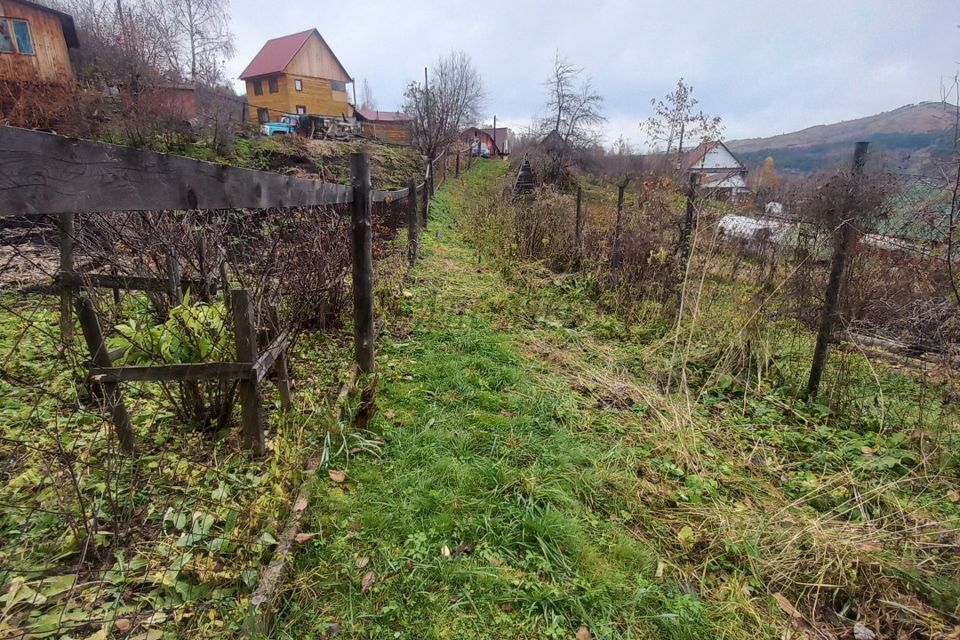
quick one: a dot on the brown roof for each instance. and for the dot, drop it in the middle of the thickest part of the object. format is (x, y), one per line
(500, 137)
(375, 115)
(66, 22)
(277, 53)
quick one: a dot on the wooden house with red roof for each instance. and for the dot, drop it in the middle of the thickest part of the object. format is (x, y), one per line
(298, 73)
(716, 171)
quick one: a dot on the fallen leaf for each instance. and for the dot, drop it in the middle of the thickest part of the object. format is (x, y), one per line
(336, 475)
(862, 632)
(122, 624)
(333, 629)
(390, 414)
(300, 504)
(300, 538)
(445, 552)
(495, 561)
(584, 634)
(362, 561)
(368, 579)
(660, 567)
(506, 607)
(406, 293)
(953, 495)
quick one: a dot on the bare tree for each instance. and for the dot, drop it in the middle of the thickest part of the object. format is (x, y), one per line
(573, 105)
(450, 102)
(676, 120)
(367, 101)
(204, 26)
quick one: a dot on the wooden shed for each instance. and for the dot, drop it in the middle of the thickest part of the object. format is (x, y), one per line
(298, 74)
(391, 126)
(34, 43)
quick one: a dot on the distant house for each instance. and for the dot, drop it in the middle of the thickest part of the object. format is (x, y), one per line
(495, 140)
(716, 171)
(34, 42)
(391, 126)
(298, 74)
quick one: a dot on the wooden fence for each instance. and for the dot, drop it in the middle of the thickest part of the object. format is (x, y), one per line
(42, 174)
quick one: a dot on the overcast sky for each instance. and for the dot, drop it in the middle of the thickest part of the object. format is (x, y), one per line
(766, 67)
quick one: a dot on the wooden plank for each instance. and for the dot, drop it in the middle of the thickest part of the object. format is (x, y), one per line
(131, 283)
(377, 195)
(174, 372)
(280, 366)
(270, 355)
(43, 173)
(362, 258)
(101, 358)
(251, 406)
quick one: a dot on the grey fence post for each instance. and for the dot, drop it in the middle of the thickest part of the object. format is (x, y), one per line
(362, 257)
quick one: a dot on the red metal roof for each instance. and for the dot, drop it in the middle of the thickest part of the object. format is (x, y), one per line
(375, 115)
(277, 53)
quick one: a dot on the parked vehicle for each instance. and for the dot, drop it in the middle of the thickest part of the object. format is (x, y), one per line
(288, 124)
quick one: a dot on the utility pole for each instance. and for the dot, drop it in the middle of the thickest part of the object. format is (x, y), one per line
(495, 147)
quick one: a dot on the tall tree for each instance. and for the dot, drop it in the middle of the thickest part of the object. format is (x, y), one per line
(204, 26)
(450, 102)
(573, 105)
(677, 121)
(367, 101)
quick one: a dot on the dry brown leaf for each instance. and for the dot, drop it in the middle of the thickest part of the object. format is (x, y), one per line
(300, 504)
(495, 561)
(584, 634)
(953, 495)
(368, 579)
(362, 561)
(337, 475)
(300, 538)
(123, 624)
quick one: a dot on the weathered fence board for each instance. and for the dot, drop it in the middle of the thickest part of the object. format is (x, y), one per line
(43, 173)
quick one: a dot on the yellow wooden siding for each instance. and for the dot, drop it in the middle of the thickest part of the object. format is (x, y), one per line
(316, 60)
(50, 61)
(316, 96)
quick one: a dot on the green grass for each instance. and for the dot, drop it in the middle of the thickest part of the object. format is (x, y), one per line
(536, 477)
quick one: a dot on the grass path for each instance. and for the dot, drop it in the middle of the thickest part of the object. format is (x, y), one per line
(536, 482)
(499, 507)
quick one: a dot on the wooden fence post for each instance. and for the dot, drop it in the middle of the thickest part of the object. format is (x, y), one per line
(100, 357)
(413, 223)
(831, 304)
(615, 257)
(362, 257)
(67, 230)
(457, 174)
(280, 365)
(578, 229)
(173, 279)
(251, 406)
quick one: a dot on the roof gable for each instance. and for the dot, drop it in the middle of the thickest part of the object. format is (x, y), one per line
(711, 156)
(278, 54)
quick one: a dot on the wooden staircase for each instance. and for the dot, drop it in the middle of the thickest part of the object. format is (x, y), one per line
(524, 180)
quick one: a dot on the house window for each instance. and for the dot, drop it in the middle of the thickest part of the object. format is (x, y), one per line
(338, 85)
(257, 88)
(6, 41)
(274, 85)
(21, 29)
(298, 84)
(263, 115)
(301, 110)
